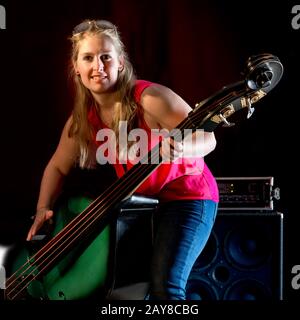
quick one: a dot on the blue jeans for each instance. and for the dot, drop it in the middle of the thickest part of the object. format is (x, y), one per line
(182, 230)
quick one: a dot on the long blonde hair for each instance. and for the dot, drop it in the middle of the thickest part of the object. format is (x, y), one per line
(80, 128)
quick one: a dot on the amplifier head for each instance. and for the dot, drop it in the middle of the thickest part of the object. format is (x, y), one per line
(247, 193)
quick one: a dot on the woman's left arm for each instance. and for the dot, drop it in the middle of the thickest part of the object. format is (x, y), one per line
(168, 109)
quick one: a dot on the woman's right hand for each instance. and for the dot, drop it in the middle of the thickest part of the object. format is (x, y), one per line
(42, 215)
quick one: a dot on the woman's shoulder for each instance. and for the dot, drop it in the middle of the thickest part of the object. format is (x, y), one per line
(145, 87)
(140, 86)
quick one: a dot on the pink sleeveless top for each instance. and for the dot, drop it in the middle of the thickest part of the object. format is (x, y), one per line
(183, 179)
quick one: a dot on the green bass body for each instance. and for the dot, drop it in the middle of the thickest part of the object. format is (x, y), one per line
(80, 273)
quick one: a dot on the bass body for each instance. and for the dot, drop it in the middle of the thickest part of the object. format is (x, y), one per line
(78, 275)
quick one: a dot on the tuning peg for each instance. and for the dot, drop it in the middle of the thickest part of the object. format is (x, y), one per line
(250, 111)
(250, 108)
(226, 123)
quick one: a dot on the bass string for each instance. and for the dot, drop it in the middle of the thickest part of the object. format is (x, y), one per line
(90, 215)
(26, 278)
(94, 212)
(130, 181)
(84, 228)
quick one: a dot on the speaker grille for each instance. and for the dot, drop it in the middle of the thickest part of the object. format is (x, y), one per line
(242, 259)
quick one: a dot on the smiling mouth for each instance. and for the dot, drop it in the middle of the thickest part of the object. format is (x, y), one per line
(98, 77)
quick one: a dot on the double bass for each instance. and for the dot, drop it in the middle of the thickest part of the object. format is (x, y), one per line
(73, 264)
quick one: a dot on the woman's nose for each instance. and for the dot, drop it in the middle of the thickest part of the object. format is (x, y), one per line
(98, 64)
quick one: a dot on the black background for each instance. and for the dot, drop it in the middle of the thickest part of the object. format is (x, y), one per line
(194, 47)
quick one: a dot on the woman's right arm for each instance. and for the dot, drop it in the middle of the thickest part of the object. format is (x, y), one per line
(57, 168)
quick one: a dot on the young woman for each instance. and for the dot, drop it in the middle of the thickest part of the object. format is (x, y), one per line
(107, 95)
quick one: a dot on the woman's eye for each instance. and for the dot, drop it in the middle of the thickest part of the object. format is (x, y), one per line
(105, 57)
(88, 58)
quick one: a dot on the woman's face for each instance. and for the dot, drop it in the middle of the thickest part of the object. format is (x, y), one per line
(98, 64)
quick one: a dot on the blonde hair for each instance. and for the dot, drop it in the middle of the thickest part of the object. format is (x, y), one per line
(80, 128)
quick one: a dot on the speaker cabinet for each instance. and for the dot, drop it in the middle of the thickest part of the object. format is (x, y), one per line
(133, 246)
(242, 260)
(133, 240)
